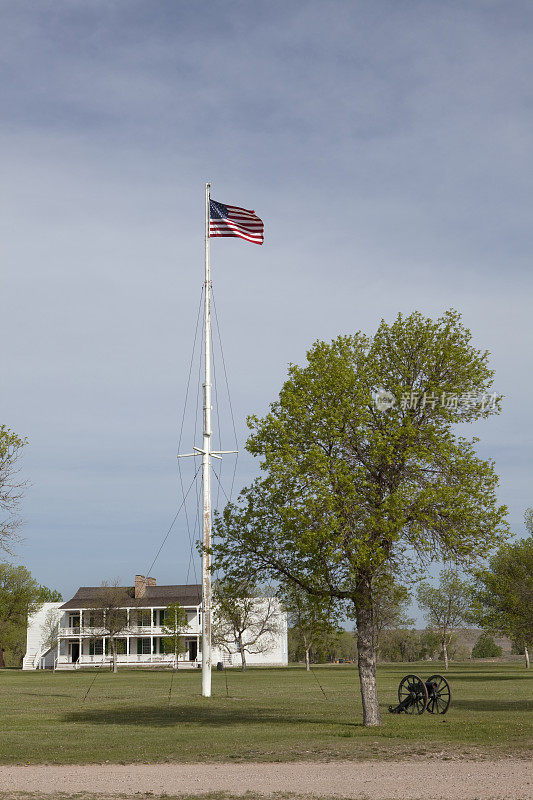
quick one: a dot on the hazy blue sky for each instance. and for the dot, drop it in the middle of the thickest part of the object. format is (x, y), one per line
(386, 145)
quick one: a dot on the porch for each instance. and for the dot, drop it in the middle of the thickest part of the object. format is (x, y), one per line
(87, 649)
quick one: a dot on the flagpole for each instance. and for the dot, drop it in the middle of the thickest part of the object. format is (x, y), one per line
(206, 468)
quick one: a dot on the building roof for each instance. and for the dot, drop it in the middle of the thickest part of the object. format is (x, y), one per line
(158, 596)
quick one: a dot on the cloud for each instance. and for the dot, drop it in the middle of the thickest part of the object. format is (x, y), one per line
(388, 149)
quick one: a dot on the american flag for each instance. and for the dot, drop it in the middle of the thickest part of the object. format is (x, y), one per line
(234, 221)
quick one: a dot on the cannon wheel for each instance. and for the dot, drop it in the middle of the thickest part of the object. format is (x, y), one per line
(440, 694)
(414, 685)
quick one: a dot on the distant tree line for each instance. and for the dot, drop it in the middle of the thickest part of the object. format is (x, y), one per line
(400, 645)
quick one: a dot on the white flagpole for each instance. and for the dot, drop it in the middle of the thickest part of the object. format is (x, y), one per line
(206, 469)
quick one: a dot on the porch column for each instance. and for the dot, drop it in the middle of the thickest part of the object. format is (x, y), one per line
(151, 634)
(81, 640)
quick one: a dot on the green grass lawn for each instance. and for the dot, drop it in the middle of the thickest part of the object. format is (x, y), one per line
(263, 714)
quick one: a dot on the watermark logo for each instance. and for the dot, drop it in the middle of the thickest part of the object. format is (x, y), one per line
(384, 400)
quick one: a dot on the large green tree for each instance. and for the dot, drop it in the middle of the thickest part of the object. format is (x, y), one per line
(351, 486)
(504, 594)
(10, 487)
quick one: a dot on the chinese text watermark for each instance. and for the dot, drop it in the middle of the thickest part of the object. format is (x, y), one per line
(450, 400)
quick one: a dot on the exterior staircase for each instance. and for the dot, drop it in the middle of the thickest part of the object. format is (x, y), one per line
(35, 648)
(31, 659)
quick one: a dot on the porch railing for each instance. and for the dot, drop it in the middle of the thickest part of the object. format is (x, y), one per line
(132, 658)
(133, 630)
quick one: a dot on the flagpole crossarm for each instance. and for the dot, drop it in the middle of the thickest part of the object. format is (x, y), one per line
(200, 452)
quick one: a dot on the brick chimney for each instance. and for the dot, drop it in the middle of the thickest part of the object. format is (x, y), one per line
(150, 581)
(140, 586)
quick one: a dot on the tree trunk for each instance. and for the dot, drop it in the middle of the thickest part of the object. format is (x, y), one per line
(307, 660)
(243, 655)
(526, 654)
(366, 658)
(445, 653)
(114, 651)
(2, 665)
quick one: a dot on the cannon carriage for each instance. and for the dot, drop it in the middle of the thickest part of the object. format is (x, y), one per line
(416, 695)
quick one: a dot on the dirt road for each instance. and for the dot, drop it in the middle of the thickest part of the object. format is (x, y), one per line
(505, 779)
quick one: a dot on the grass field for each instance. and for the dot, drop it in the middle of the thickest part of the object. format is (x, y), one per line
(263, 714)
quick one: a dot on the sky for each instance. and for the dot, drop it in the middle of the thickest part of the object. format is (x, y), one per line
(386, 145)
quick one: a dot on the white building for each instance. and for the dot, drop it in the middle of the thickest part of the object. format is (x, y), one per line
(78, 643)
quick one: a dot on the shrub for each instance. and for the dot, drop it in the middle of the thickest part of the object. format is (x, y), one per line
(486, 647)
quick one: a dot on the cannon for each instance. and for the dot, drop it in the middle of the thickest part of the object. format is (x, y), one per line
(416, 696)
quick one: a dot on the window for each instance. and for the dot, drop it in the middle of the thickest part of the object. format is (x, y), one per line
(74, 620)
(143, 618)
(143, 646)
(96, 647)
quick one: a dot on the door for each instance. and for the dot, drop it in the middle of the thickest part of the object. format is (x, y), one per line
(74, 651)
(193, 649)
